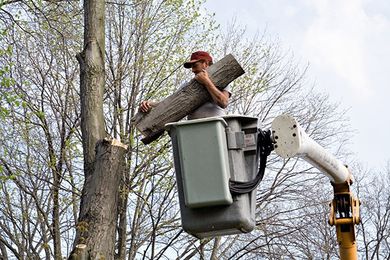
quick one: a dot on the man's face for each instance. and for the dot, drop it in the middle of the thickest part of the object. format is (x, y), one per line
(199, 66)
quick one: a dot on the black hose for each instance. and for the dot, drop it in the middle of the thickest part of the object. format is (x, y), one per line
(263, 149)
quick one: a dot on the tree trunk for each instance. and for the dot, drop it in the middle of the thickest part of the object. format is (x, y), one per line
(97, 219)
(92, 80)
(103, 159)
(185, 100)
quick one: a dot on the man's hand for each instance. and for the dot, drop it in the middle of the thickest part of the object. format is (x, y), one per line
(203, 78)
(145, 106)
(221, 98)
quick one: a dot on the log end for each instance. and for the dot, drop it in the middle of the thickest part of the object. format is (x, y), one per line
(150, 138)
(115, 142)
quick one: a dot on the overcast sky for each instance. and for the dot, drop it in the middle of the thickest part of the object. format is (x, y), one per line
(347, 46)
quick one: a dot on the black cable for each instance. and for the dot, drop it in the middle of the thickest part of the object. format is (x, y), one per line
(263, 149)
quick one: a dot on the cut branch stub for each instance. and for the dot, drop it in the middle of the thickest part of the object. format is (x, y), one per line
(185, 100)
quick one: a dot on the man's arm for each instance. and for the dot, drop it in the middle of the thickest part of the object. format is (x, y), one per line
(220, 97)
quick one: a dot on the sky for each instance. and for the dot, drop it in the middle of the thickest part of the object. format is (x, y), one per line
(347, 46)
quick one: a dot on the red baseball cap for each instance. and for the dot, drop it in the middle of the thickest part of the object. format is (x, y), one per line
(197, 56)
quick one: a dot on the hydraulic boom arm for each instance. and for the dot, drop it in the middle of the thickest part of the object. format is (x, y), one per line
(292, 141)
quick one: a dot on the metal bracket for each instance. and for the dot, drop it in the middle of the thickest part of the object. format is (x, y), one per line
(235, 140)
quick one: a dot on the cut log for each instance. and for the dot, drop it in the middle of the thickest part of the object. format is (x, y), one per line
(185, 100)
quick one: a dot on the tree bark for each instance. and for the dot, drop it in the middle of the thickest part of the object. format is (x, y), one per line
(97, 219)
(80, 253)
(185, 100)
(92, 80)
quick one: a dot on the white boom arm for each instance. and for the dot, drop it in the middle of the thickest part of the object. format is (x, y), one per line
(291, 141)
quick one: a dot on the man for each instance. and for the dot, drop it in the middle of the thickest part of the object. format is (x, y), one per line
(198, 63)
